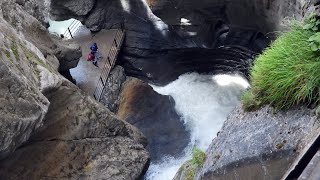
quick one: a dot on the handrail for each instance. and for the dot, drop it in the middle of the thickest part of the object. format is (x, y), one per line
(111, 59)
(72, 28)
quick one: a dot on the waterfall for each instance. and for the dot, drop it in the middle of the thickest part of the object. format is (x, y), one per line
(203, 102)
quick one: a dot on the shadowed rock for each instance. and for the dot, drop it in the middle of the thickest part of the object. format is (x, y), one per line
(155, 116)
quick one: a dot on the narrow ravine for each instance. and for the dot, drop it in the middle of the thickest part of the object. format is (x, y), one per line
(203, 102)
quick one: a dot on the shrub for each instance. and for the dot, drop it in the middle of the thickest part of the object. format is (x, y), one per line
(288, 72)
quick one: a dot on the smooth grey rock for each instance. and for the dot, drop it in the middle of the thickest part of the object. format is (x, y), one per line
(258, 145)
(110, 95)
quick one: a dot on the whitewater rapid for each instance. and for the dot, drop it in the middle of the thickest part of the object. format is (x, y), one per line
(203, 102)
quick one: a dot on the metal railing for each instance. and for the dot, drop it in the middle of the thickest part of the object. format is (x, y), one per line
(111, 59)
(72, 29)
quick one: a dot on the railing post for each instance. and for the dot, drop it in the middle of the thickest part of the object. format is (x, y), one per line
(70, 32)
(115, 42)
(109, 61)
(102, 82)
(122, 26)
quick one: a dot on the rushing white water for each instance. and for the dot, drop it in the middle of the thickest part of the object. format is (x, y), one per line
(203, 102)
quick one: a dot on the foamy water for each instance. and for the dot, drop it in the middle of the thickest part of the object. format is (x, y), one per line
(203, 102)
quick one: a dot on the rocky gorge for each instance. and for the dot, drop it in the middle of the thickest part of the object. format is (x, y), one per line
(50, 129)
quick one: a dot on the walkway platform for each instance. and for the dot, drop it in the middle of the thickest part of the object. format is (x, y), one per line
(86, 74)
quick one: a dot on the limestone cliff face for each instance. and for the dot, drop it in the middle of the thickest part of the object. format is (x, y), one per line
(49, 127)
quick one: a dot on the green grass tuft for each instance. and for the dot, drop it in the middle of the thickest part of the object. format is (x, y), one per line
(14, 49)
(250, 102)
(35, 60)
(198, 157)
(287, 73)
(191, 166)
(189, 174)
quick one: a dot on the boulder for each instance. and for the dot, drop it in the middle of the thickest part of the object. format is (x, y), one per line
(154, 115)
(258, 145)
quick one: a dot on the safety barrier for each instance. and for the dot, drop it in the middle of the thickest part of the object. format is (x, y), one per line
(72, 29)
(111, 59)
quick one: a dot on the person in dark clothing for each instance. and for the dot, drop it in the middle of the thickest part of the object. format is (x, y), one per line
(94, 49)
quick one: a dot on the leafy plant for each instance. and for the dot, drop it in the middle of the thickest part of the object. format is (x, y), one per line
(312, 24)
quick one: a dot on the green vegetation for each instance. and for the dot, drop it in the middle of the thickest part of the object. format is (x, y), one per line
(191, 166)
(198, 157)
(189, 174)
(312, 24)
(35, 60)
(7, 53)
(250, 103)
(287, 73)
(14, 49)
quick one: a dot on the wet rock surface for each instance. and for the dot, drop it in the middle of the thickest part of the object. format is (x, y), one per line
(154, 115)
(259, 144)
(162, 70)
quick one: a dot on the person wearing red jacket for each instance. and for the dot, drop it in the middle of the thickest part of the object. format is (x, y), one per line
(91, 57)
